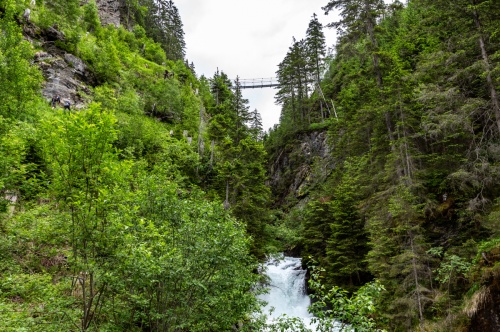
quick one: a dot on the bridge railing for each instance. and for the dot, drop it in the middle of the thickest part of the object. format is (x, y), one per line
(256, 83)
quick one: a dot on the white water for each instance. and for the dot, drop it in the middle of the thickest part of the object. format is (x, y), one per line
(287, 293)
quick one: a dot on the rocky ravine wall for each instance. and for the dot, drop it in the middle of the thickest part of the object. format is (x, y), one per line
(298, 166)
(483, 307)
(109, 11)
(65, 74)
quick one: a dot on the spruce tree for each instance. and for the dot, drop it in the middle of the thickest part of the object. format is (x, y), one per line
(316, 51)
(239, 158)
(256, 129)
(163, 23)
(316, 48)
(347, 245)
(241, 109)
(293, 87)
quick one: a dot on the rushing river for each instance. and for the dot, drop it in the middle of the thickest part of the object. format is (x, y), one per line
(287, 293)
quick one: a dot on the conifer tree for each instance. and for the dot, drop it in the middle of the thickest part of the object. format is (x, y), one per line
(163, 23)
(256, 129)
(293, 87)
(316, 48)
(347, 245)
(359, 19)
(239, 158)
(241, 109)
(316, 51)
(476, 21)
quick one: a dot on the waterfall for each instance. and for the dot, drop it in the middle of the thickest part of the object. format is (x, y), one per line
(287, 289)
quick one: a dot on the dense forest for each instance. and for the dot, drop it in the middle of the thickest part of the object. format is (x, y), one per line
(139, 208)
(137, 196)
(407, 192)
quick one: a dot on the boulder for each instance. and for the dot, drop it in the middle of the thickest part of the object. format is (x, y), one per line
(52, 34)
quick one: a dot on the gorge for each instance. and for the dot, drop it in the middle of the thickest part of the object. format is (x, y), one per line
(149, 204)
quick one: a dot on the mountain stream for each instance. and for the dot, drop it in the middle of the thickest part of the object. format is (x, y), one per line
(287, 290)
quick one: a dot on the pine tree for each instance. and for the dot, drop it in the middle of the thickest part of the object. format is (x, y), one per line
(359, 19)
(476, 21)
(256, 125)
(347, 245)
(316, 51)
(293, 87)
(316, 48)
(239, 158)
(242, 115)
(163, 23)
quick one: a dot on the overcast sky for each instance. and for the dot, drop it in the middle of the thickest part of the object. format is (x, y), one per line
(247, 38)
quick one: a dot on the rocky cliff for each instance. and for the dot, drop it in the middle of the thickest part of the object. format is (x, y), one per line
(298, 165)
(66, 75)
(483, 307)
(109, 11)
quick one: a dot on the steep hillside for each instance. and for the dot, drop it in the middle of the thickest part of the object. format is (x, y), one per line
(124, 209)
(406, 190)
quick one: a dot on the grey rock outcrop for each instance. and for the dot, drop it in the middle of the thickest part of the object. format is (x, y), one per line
(109, 12)
(52, 34)
(303, 162)
(65, 74)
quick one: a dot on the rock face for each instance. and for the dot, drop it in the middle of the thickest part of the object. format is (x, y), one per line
(66, 75)
(109, 12)
(303, 162)
(488, 319)
(485, 315)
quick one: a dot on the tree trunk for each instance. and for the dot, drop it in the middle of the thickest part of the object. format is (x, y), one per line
(415, 276)
(201, 145)
(226, 202)
(378, 74)
(489, 80)
(212, 148)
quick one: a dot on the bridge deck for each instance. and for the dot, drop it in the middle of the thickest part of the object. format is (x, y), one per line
(257, 83)
(257, 86)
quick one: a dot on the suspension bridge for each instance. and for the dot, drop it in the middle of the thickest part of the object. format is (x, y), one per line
(271, 82)
(257, 83)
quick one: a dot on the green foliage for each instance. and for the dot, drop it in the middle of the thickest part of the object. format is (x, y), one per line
(12, 151)
(346, 247)
(452, 267)
(416, 101)
(162, 23)
(335, 309)
(236, 166)
(19, 80)
(110, 231)
(91, 17)
(188, 258)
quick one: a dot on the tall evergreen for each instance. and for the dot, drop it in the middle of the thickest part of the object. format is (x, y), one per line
(316, 51)
(239, 157)
(255, 123)
(241, 109)
(316, 48)
(162, 22)
(415, 89)
(293, 89)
